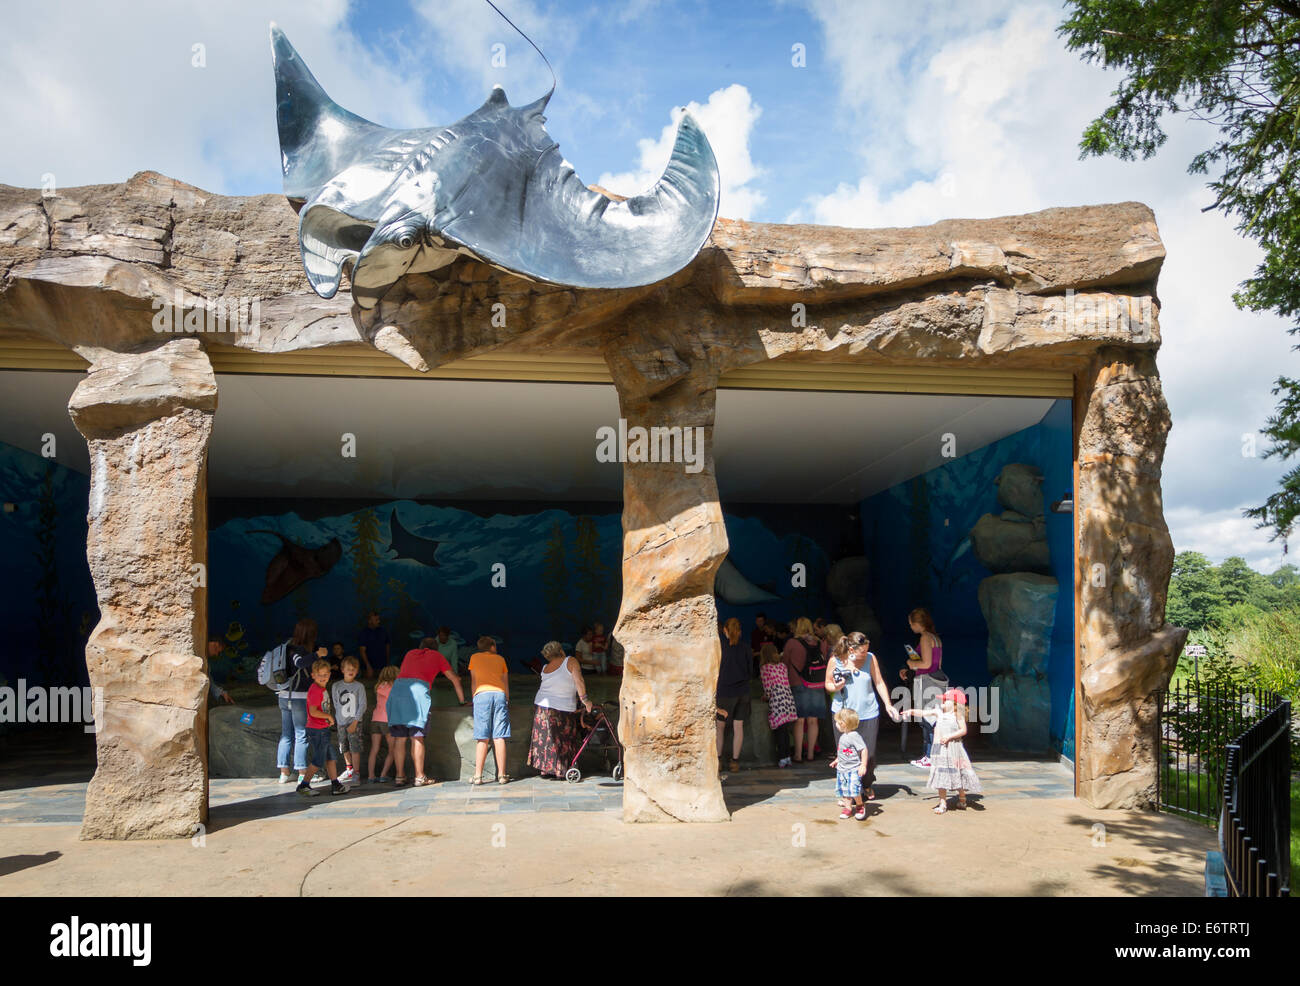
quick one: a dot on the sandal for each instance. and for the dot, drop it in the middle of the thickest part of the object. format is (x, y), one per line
(961, 801)
(503, 779)
(941, 807)
(476, 780)
(399, 782)
(871, 794)
(422, 781)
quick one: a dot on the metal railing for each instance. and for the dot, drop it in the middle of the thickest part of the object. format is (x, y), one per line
(1197, 721)
(1255, 825)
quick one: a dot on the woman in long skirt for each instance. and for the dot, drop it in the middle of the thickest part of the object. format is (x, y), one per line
(557, 724)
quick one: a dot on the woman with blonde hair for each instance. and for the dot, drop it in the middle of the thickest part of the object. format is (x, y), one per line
(557, 724)
(804, 653)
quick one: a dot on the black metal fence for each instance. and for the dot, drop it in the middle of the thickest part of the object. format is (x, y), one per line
(1255, 829)
(1197, 722)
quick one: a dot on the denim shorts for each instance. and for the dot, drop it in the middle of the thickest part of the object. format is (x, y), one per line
(491, 716)
(319, 748)
(810, 703)
(402, 732)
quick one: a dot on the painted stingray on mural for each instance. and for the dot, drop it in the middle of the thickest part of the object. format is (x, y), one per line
(294, 564)
(492, 186)
(734, 588)
(412, 546)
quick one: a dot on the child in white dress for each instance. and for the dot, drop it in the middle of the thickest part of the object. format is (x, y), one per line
(950, 766)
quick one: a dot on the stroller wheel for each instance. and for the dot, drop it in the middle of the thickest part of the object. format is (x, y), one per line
(573, 775)
(618, 771)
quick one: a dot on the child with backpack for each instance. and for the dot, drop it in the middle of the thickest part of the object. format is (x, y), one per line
(349, 697)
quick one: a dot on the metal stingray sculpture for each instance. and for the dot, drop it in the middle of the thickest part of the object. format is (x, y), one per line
(492, 186)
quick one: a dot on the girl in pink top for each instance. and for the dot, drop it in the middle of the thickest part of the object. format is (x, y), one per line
(379, 723)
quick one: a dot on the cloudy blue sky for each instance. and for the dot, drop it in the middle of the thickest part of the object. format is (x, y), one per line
(903, 114)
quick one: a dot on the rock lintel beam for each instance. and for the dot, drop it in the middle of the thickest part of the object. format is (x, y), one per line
(121, 247)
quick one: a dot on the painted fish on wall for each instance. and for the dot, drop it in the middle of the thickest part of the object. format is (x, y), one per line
(294, 564)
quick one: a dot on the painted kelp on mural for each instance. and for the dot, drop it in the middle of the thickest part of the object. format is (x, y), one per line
(47, 605)
(526, 578)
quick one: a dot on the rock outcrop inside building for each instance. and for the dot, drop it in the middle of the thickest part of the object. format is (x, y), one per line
(1019, 606)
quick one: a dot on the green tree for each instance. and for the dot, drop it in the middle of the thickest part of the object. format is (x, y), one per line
(1284, 577)
(1194, 591)
(1239, 582)
(1234, 64)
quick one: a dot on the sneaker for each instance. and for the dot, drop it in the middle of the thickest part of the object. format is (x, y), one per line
(846, 813)
(923, 763)
(348, 776)
(286, 779)
(302, 778)
(861, 813)
(783, 762)
(338, 787)
(307, 791)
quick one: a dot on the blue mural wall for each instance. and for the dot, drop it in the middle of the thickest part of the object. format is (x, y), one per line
(523, 575)
(917, 537)
(47, 600)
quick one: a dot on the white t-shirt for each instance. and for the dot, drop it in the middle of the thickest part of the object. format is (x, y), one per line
(582, 650)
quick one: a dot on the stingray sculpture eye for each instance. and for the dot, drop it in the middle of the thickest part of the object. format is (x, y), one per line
(406, 240)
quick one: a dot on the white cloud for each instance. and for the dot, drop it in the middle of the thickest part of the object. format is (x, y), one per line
(988, 124)
(728, 119)
(100, 95)
(471, 39)
(1219, 534)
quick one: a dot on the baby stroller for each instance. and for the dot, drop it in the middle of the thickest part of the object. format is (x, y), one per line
(601, 735)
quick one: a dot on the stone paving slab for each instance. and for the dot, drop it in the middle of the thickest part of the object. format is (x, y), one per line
(62, 804)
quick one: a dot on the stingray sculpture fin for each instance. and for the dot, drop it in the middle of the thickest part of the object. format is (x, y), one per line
(492, 186)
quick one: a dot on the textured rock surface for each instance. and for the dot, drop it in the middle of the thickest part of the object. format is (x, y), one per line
(147, 417)
(847, 585)
(1024, 713)
(1020, 609)
(1011, 543)
(1123, 558)
(84, 269)
(1020, 488)
(674, 540)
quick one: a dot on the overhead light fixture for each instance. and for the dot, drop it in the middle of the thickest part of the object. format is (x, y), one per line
(1065, 505)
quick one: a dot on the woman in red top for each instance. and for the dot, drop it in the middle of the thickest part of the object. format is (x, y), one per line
(410, 702)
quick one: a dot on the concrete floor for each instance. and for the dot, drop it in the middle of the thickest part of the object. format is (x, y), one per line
(1025, 837)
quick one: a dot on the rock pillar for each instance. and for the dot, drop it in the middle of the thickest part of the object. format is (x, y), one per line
(147, 417)
(1123, 561)
(673, 543)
